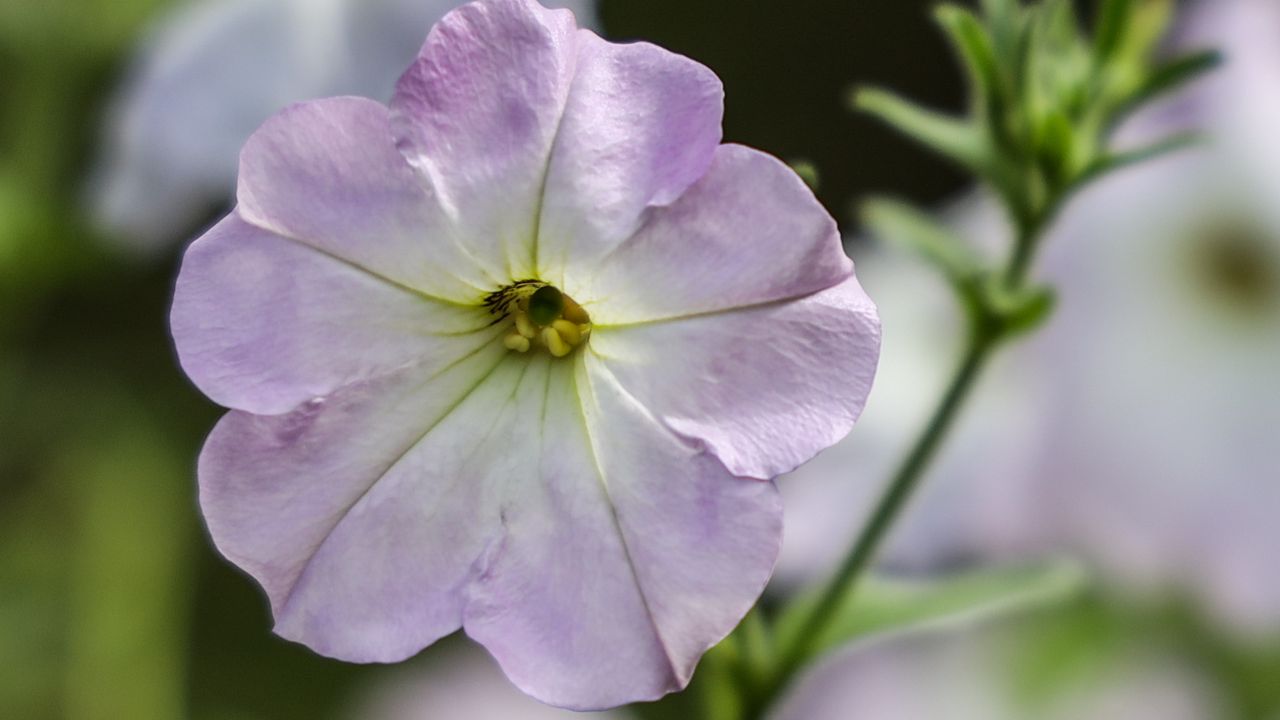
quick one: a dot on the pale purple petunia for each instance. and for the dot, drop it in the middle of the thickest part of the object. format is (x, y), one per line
(413, 448)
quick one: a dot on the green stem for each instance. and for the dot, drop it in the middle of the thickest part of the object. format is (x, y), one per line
(1028, 241)
(986, 333)
(900, 490)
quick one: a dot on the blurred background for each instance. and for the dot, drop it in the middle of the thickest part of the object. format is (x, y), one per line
(1136, 433)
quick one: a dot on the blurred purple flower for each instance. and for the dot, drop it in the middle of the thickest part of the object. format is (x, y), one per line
(518, 354)
(1140, 428)
(211, 72)
(969, 673)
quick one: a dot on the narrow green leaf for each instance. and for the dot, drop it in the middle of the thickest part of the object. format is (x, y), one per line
(1169, 77)
(1056, 147)
(882, 605)
(999, 8)
(1147, 26)
(1022, 311)
(950, 137)
(1119, 160)
(1047, 48)
(1004, 22)
(913, 230)
(974, 48)
(1062, 26)
(1113, 22)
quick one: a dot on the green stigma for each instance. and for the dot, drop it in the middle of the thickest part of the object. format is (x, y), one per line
(545, 305)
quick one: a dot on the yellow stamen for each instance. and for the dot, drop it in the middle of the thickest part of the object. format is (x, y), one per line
(568, 331)
(556, 344)
(525, 326)
(540, 315)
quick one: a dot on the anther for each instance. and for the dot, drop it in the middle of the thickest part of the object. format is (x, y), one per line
(516, 342)
(540, 316)
(556, 344)
(525, 326)
(568, 331)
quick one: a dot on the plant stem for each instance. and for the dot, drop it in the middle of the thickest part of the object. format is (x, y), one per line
(986, 334)
(900, 490)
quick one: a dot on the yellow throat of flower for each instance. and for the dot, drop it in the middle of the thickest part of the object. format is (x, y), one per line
(541, 316)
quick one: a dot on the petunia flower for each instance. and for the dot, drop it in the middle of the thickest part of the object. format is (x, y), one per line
(519, 354)
(1138, 429)
(211, 71)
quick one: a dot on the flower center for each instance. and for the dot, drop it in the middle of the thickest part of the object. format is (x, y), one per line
(1237, 267)
(541, 316)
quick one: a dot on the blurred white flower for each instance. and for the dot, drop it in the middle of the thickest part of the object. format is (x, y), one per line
(1162, 373)
(1141, 428)
(213, 70)
(967, 675)
(467, 684)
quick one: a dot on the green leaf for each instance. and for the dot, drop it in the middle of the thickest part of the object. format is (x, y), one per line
(1052, 52)
(1169, 77)
(1147, 25)
(1021, 311)
(913, 230)
(1113, 23)
(999, 8)
(1061, 25)
(1005, 25)
(1056, 147)
(1114, 161)
(976, 52)
(953, 138)
(882, 605)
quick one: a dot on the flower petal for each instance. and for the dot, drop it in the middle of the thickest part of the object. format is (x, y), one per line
(361, 514)
(766, 387)
(477, 114)
(327, 174)
(596, 565)
(635, 553)
(263, 323)
(748, 232)
(641, 125)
